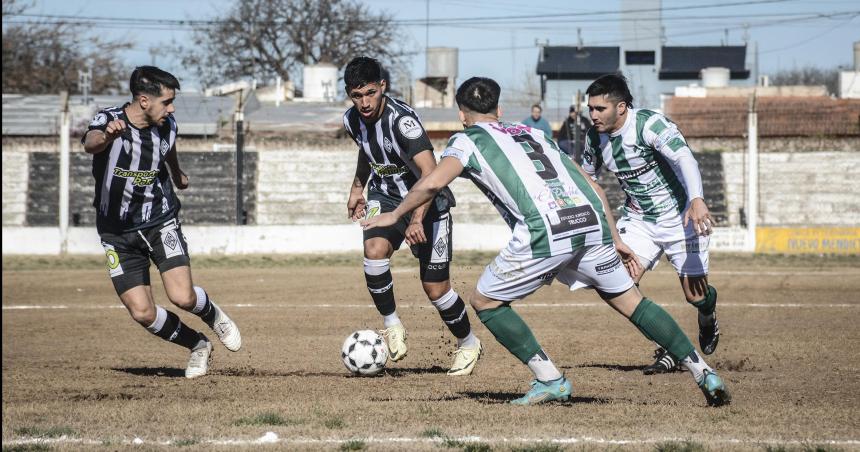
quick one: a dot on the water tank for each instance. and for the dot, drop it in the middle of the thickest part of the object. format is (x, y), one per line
(857, 56)
(320, 82)
(715, 77)
(442, 62)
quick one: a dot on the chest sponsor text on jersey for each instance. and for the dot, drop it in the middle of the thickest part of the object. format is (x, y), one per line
(388, 170)
(624, 175)
(138, 178)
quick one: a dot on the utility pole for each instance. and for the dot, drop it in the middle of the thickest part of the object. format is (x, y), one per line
(85, 82)
(752, 175)
(65, 128)
(240, 147)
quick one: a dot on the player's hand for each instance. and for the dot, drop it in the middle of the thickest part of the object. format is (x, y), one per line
(629, 259)
(180, 179)
(114, 129)
(700, 216)
(415, 234)
(356, 206)
(380, 221)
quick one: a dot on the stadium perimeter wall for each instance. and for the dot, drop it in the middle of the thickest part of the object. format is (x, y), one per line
(295, 197)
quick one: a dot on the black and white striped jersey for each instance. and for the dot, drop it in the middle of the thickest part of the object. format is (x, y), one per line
(133, 189)
(389, 144)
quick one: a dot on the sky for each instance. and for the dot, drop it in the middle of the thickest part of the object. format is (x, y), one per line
(503, 40)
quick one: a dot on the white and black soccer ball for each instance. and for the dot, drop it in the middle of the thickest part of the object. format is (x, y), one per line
(364, 352)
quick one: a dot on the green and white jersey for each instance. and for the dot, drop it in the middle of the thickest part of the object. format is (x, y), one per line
(653, 163)
(543, 197)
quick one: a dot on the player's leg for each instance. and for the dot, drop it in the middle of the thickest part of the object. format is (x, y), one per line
(617, 289)
(690, 258)
(434, 258)
(640, 237)
(502, 282)
(170, 254)
(377, 274)
(128, 264)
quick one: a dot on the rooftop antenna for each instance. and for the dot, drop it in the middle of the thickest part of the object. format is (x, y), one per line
(579, 38)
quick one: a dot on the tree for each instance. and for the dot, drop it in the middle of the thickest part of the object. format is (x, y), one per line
(266, 38)
(809, 75)
(42, 57)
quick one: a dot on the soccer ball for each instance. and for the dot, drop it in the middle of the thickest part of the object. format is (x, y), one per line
(364, 352)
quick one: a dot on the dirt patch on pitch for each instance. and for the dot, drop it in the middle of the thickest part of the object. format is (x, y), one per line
(78, 366)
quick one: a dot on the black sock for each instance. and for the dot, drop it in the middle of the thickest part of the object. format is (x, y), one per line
(457, 319)
(381, 288)
(208, 311)
(177, 332)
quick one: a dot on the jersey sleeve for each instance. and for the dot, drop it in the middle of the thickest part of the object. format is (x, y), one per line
(663, 135)
(348, 128)
(591, 154)
(410, 135)
(99, 122)
(463, 149)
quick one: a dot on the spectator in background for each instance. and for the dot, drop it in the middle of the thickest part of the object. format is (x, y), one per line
(535, 121)
(567, 135)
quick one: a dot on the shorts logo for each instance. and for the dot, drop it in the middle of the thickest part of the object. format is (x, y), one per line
(441, 246)
(170, 241)
(622, 230)
(608, 266)
(548, 276)
(114, 267)
(99, 120)
(165, 146)
(437, 266)
(409, 127)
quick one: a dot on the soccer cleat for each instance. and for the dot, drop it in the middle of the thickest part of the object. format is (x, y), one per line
(395, 337)
(198, 363)
(709, 333)
(226, 330)
(465, 359)
(663, 363)
(714, 389)
(546, 392)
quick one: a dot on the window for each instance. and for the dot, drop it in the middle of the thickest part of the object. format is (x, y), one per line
(632, 57)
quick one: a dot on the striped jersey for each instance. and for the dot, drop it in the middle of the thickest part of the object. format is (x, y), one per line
(133, 189)
(389, 144)
(540, 193)
(645, 155)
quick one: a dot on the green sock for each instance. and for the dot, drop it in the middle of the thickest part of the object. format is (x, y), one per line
(511, 331)
(707, 305)
(657, 325)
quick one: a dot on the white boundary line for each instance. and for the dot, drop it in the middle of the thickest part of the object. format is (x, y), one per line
(273, 438)
(526, 305)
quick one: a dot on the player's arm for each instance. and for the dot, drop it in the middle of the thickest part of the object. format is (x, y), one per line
(446, 171)
(672, 145)
(180, 179)
(97, 140)
(426, 163)
(631, 262)
(356, 204)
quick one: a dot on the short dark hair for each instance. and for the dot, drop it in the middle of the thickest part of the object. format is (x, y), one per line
(151, 80)
(537, 106)
(361, 71)
(612, 85)
(479, 94)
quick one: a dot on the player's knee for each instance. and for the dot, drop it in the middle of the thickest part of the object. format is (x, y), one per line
(436, 290)
(184, 300)
(144, 317)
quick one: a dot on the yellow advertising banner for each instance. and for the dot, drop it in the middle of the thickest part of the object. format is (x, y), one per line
(808, 240)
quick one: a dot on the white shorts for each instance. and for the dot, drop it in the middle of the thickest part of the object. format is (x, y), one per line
(685, 250)
(510, 278)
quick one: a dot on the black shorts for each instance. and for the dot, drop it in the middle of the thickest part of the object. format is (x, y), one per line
(434, 256)
(128, 254)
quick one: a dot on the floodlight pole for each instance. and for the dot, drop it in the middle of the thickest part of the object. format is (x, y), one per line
(240, 145)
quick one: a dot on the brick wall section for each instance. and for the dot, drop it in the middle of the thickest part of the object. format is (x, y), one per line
(210, 198)
(777, 116)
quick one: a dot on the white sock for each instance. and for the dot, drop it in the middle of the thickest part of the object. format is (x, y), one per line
(391, 320)
(543, 368)
(468, 341)
(696, 365)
